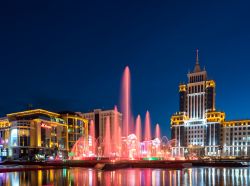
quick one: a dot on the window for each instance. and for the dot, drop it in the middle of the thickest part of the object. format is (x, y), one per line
(70, 121)
(14, 137)
(79, 123)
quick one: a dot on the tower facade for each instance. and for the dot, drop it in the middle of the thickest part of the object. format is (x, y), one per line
(196, 126)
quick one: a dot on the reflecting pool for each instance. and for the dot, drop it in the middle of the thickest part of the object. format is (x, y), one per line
(83, 176)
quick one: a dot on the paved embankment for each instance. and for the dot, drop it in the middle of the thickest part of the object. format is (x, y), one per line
(11, 166)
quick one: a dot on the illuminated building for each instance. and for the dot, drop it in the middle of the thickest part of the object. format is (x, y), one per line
(99, 116)
(24, 134)
(77, 126)
(35, 131)
(4, 136)
(236, 138)
(199, 128)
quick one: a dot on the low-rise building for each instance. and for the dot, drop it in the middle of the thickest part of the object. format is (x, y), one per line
(36, 131)
(40, 132)
(235, 139)
(4, 136)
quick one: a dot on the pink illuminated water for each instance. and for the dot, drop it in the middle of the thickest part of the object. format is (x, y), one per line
(80, 149)
(138, 128)
(92, 134)
(126, 101)
(117, 133)
(157, 131)
(124, 140)
(107, 141)
(128, 177)
(147, 135)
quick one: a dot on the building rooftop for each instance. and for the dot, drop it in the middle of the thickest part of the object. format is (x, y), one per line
(33, 112)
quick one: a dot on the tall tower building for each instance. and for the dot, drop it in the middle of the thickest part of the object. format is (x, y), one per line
(196, 126)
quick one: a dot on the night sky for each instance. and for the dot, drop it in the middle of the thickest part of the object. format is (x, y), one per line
(69, 55)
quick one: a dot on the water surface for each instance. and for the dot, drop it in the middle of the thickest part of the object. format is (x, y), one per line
(83, 176)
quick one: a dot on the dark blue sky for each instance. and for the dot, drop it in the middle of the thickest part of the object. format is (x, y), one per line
(69, 55)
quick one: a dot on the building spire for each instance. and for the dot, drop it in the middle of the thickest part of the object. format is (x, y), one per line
(197, 67)
(197, 57)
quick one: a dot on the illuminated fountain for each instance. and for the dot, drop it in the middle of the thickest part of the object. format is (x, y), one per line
(124, 142)
(156, 143)
(116, 136)
(157, 131)
(80, 149)
(147, 127)
(138, 127)
(147, 143)
(138, 134)
(126, 102)
(92, 142)
(107, 141)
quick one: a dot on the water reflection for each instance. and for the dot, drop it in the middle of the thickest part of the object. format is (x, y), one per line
(155, 177)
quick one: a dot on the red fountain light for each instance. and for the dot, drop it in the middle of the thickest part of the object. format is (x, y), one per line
(116, 133)
(92, 134)
(157, 131)
(147, 136)
(107, 146)
(138, 128)
(123, 140)
(126, 101)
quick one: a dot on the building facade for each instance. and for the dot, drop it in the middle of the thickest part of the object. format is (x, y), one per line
(39, 132)
(4, 136)
(236, 138)
(77, 126)
(198, 127)
(99, 117)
